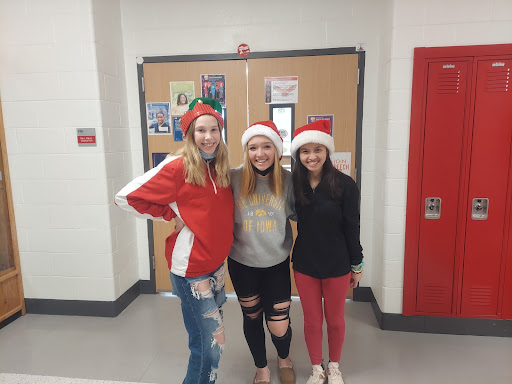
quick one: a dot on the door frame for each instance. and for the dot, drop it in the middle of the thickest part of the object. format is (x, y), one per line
(149, 286)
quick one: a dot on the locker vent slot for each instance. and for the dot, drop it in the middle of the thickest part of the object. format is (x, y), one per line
(498, 81)
(435, 294)
(448, 82)
(480, 296)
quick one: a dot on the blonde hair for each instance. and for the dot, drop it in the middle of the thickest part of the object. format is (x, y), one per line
(249, 176)
(194, 171)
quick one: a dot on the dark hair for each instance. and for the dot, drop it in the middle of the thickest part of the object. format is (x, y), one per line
(179, 97)
(300, 178)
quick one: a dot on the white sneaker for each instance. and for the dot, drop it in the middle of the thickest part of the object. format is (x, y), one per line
(317, 375)
(334, 373)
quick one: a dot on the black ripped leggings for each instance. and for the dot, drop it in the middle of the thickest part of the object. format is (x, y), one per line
(271, 286)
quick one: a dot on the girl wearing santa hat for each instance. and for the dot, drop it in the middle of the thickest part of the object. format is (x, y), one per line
(194, 187)
(259, 264)
(327, 255)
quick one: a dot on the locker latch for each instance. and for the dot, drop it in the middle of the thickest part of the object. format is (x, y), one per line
(432, 208)
(479, 208)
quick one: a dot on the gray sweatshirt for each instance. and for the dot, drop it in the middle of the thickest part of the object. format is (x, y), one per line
(262, 232)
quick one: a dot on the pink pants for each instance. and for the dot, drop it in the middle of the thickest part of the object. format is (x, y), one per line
(334, 291)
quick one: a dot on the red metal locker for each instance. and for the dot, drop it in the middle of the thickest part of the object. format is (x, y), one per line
(486, 217)
(442, 153)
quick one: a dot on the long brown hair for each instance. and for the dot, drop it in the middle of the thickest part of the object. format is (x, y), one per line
(194, 163)
(249, 176)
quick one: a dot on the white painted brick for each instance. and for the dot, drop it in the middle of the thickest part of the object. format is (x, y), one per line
(127, 163)
(137, 164)
(49, 7)
(113, 88)
(31, 58)
(501, 10)
(70, 241)
(106, 60)
(68, 56)
(368, 159)
(367, 183)
(88, 192)
(32, 216)
(70, 113)
(116, 215)
(74, 27)
(102, 90)
(128, 276)
(399, 105)
(11, 141)
(400, 74)
(37, 264)
(111, 114)
(19, 114)
(72, 167)
(83, 265)
(501, 32)
(115, 165)
(473, 33)
(142, 230)
(366, 207)
(33, 86)
(393, 247)
(22, 235)
(407, 12)
(119, 140)
(89, 57)
(394, 220)
(405, 39)
(82, 85)
(96, 289)
(391, 300)
(393, 274)
(45, 192)
(144, 266)
(397, 164)
(124, 256)
(25, 36)
(50, 287)
(41, 140)
(457, 11)
(395, 192)
(17, 191)
(79, 217)
(23, 167)
(439, 35)
(368, 134)
(126, 231)
(398, 134)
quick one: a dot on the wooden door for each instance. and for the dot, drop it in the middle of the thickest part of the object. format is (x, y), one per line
(327, 85)
(157, 78)
(11, 289)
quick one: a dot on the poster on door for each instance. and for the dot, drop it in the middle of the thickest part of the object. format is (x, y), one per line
(282, 90)
(342, 161)
(158, 118)
(182, 93)
(313, 118)
(214, 87)
(176, 128)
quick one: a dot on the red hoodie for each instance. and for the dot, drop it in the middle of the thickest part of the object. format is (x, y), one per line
(208, 213)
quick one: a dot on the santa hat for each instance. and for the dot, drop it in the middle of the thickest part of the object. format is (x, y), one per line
(201, 106)
(264, 128)
(318, 132)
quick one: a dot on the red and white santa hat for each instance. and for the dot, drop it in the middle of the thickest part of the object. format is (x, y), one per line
(318, 132)
(264, 128)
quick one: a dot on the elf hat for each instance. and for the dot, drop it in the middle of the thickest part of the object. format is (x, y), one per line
(264, 128)
(201, 106)
(318, 132)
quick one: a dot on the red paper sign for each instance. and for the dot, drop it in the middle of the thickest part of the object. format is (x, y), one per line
(244, 50)
(86, 139)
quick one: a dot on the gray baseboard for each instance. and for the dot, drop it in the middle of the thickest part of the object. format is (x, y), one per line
(84, 307)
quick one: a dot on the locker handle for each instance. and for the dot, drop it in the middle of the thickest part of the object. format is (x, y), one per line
(479, 208)
(432, 208)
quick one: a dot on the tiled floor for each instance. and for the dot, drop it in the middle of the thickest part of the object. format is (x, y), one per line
(148, 343)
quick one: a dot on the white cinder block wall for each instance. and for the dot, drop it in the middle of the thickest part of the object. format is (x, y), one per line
(415, 23)
(57, 74)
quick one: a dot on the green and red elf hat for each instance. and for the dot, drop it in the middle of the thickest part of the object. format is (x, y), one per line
(201, 106)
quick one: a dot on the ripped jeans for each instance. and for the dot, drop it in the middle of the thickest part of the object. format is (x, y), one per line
(201, 300)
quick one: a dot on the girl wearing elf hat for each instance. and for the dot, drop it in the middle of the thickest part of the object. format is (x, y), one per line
(193, 186)
(327, 255)
(259, 264)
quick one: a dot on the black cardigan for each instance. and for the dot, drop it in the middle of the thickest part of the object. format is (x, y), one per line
(328, 231)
